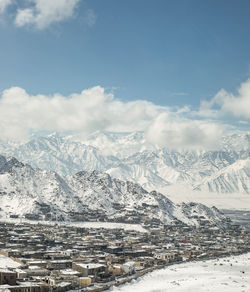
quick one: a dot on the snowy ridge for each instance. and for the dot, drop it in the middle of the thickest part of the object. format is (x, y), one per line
(130, 157)
(26, 191)
(233, 178)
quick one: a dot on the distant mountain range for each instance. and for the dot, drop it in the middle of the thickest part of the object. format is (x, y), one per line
(89, 196)
(129, 157)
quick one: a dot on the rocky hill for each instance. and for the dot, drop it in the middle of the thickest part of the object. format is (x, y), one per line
(41, 194)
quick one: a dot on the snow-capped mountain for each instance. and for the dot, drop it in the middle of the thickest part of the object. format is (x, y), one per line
(36, 193)
(234, 178)
(131, 157)
(58, 153)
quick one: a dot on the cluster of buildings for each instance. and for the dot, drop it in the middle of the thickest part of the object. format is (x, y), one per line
(63, 258)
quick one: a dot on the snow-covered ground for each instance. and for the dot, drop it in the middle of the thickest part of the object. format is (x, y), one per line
(230, 274)
(6, 262)
(183, 193)
(110, 225)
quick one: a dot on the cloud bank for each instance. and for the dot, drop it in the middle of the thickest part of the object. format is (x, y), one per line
(94, 109)
(184, 133)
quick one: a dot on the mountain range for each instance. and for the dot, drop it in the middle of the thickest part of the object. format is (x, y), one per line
(33, 193)
(130, 157)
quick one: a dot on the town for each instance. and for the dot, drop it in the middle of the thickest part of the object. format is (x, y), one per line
(58, 257)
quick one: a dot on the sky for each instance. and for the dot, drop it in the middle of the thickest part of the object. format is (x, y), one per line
(155, 65)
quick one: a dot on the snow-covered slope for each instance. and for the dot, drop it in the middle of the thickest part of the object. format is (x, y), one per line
(130, 157)
(25, 190)
(58, 153)
(231, 179)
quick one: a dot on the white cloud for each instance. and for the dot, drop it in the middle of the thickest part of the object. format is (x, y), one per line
(228, 103)
(94, 109)
(177, 132)
(4, 4)
(42, 13)
(91, 110)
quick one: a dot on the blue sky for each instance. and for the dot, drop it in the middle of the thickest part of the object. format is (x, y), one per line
(169, 53)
